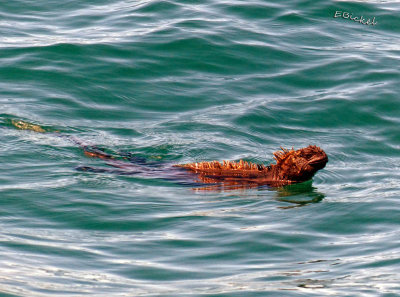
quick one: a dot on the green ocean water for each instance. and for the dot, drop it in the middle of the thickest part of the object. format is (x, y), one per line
(184, 81)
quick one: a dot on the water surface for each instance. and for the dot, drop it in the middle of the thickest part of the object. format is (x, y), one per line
(181, 82)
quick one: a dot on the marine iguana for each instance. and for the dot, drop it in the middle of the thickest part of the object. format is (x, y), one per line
(292, 166)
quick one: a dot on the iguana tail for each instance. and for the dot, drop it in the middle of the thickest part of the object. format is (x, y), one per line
(89, 150)
(22, 125)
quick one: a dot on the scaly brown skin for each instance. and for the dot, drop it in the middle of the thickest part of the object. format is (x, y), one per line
(291, 167)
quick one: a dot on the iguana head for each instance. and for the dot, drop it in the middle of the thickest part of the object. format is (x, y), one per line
(299, 165)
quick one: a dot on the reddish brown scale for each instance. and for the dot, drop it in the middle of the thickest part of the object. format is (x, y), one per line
(291, 166)
(99, 155)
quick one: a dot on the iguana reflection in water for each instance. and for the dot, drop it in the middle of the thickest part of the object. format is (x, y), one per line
(292, 166)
